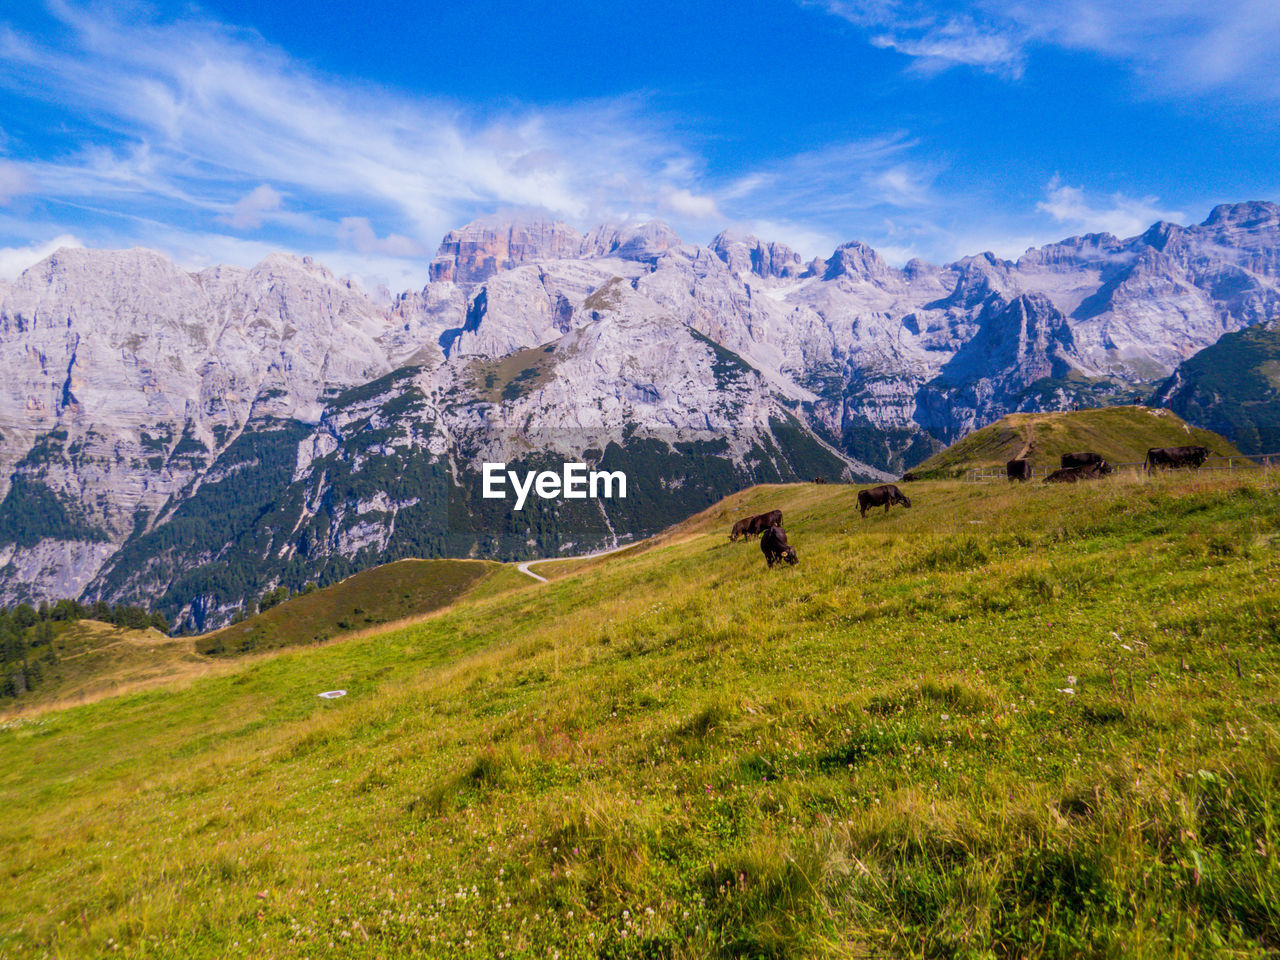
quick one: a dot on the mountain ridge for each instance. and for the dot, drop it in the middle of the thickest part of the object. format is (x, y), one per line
(130, 384)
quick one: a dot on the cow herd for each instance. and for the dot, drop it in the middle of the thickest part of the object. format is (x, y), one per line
(1074, 468)
(773, 539)
(1090, 466)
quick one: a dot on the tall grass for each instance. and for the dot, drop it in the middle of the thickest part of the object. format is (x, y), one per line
(1008, 722)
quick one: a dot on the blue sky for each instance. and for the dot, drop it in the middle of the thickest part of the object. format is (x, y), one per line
(220, 131)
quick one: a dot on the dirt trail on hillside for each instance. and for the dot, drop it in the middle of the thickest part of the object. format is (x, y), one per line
(524, 567)
(1026, 446)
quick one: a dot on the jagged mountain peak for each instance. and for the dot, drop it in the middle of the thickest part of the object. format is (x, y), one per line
(1248, 214)
(1161, 234)
(747, 253)
(643, 242)
(485, 247)
(859, 261)
(1072, 251)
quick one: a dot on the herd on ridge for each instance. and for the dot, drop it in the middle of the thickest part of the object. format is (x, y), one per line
(1074, 468)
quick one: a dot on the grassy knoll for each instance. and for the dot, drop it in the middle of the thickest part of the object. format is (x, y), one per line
(381, 595)
(1120, 434)
(675, 752)
(96, 659)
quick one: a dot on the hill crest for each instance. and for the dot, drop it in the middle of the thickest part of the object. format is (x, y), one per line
(1121, 434)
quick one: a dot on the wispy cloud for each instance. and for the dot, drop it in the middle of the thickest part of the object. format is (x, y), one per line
(936, 41)
(1117, 214)
(210, 130)
(1176, 45)
(210, 125)
(873, 190)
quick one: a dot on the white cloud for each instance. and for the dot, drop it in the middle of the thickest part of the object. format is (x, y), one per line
(14, 181)
(249, 209)
(1118, 214)
(1175, 46)
(689, 204)
(14, 260)
(954, 43)
(359, 233)
(935, 42)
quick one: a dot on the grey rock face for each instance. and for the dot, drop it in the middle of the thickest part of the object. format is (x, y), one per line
(486, 247)
(750, 254)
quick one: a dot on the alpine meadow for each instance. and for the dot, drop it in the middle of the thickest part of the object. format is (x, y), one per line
(783, 480)
(1010, 721)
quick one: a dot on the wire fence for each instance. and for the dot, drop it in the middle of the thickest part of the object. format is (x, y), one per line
(1257, 461)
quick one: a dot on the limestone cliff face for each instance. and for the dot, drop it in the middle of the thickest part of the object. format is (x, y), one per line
(158, 426)
(483, 248)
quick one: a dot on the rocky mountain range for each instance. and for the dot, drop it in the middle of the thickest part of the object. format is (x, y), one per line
(190, 440)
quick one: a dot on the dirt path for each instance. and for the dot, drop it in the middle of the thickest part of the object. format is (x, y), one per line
(1026, 446)
(524, 567)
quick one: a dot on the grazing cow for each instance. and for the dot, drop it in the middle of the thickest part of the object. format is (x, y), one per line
(819, 479)
(754, 526)
(774, 544)
(908, 478)
(1173, 458)
(1019, 470)
(885, 495)
(1090, 471)
(1081, 459)
(763, 521)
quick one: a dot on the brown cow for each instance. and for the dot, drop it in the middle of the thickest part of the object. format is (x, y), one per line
(1091, 471)
(819, 479)
(908, 478)
(885, 495)
(1173, 458)
(1019, 470)
(775, 547)
(754, 526)
(1081, 459)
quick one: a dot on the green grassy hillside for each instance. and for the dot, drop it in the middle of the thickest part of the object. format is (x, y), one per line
(1120, 434)
(1007, 722)
(90, 660)
(1234, 387)
(383, 594)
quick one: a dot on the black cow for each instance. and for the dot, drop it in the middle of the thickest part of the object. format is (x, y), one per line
(1173, 458)
(1081, 459)
(774, 544)
(1019, 470)
(885, 495)
(1090, 471)
(908, 478)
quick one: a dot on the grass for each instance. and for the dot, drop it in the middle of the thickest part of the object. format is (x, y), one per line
(96, 659)
(512, 376)
(1120, 434)
(381, 595)
(674, 752)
